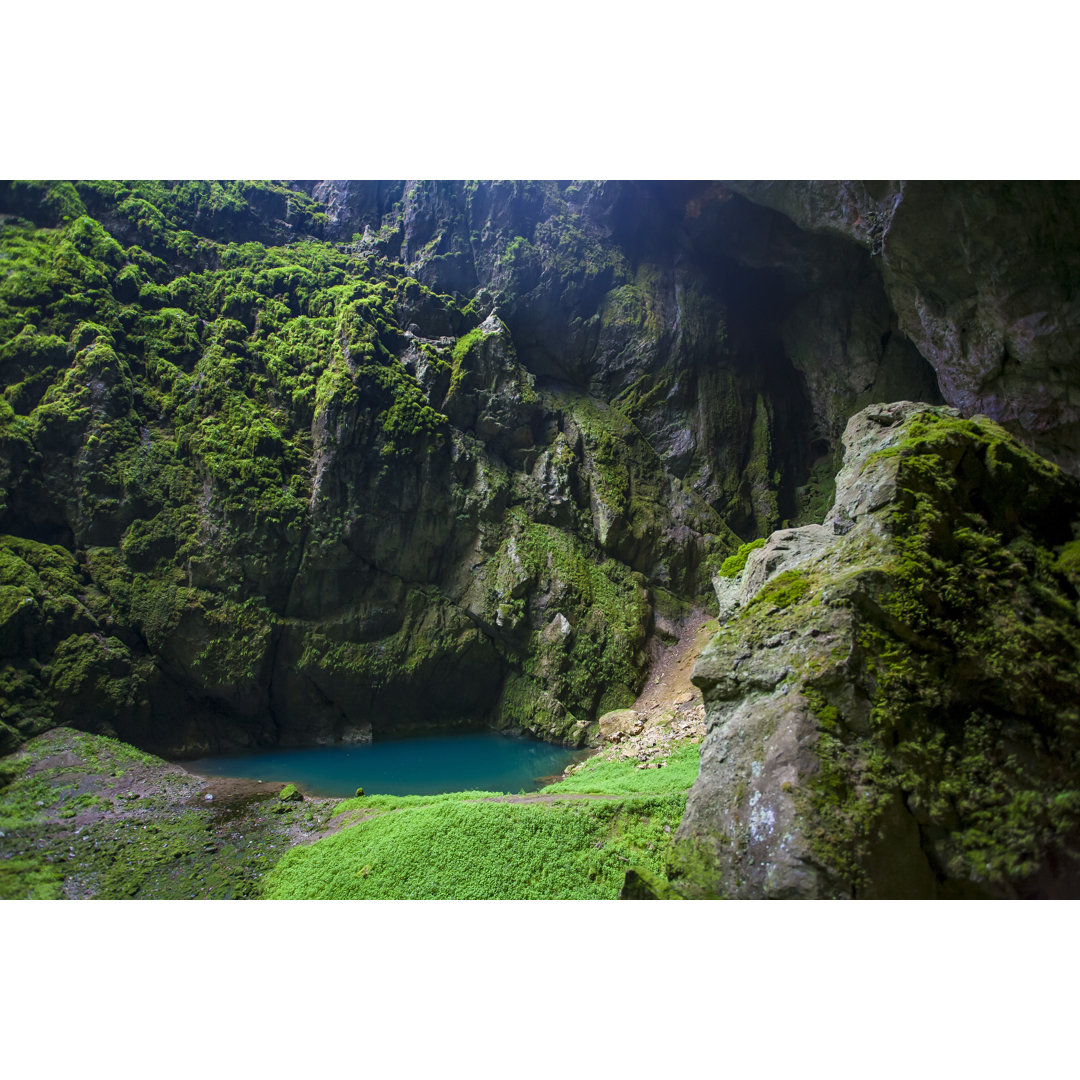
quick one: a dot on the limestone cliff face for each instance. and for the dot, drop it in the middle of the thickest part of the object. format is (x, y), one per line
(738, 343)
(272, 492)
(892, 703)
(983, 280)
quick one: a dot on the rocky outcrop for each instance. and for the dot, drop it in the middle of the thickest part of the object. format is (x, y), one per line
(892, 706)
(620, 723)
(982, 277)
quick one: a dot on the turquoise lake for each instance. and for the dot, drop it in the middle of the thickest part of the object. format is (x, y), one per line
(478, 761)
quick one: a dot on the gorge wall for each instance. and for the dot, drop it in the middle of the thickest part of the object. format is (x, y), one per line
(286, 463)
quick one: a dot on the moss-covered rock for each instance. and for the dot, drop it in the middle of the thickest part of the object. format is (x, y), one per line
(892, 708)
(85, 816)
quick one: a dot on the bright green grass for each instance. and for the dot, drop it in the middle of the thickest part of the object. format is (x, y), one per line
(402, 802)
(625, 778)
(455, 848)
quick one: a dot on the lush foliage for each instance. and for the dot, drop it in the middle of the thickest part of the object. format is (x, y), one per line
(456, 847)
(734, 565)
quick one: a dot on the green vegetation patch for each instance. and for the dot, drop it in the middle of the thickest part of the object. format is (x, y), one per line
(783, 590)
(89, 816)
(734, 565)
(30, 879)
(622, 776)
(466, 845)
(457, 848)
(369, 803)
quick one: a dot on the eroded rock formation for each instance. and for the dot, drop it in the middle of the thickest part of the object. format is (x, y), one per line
(983, 280)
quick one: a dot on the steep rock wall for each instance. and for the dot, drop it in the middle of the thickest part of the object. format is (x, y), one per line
(261, 494)
(984, 278)
(738, 343)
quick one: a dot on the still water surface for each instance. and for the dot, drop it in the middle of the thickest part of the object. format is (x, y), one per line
(480, 761)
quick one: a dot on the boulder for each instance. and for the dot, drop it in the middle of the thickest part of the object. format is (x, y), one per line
(620, 723)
